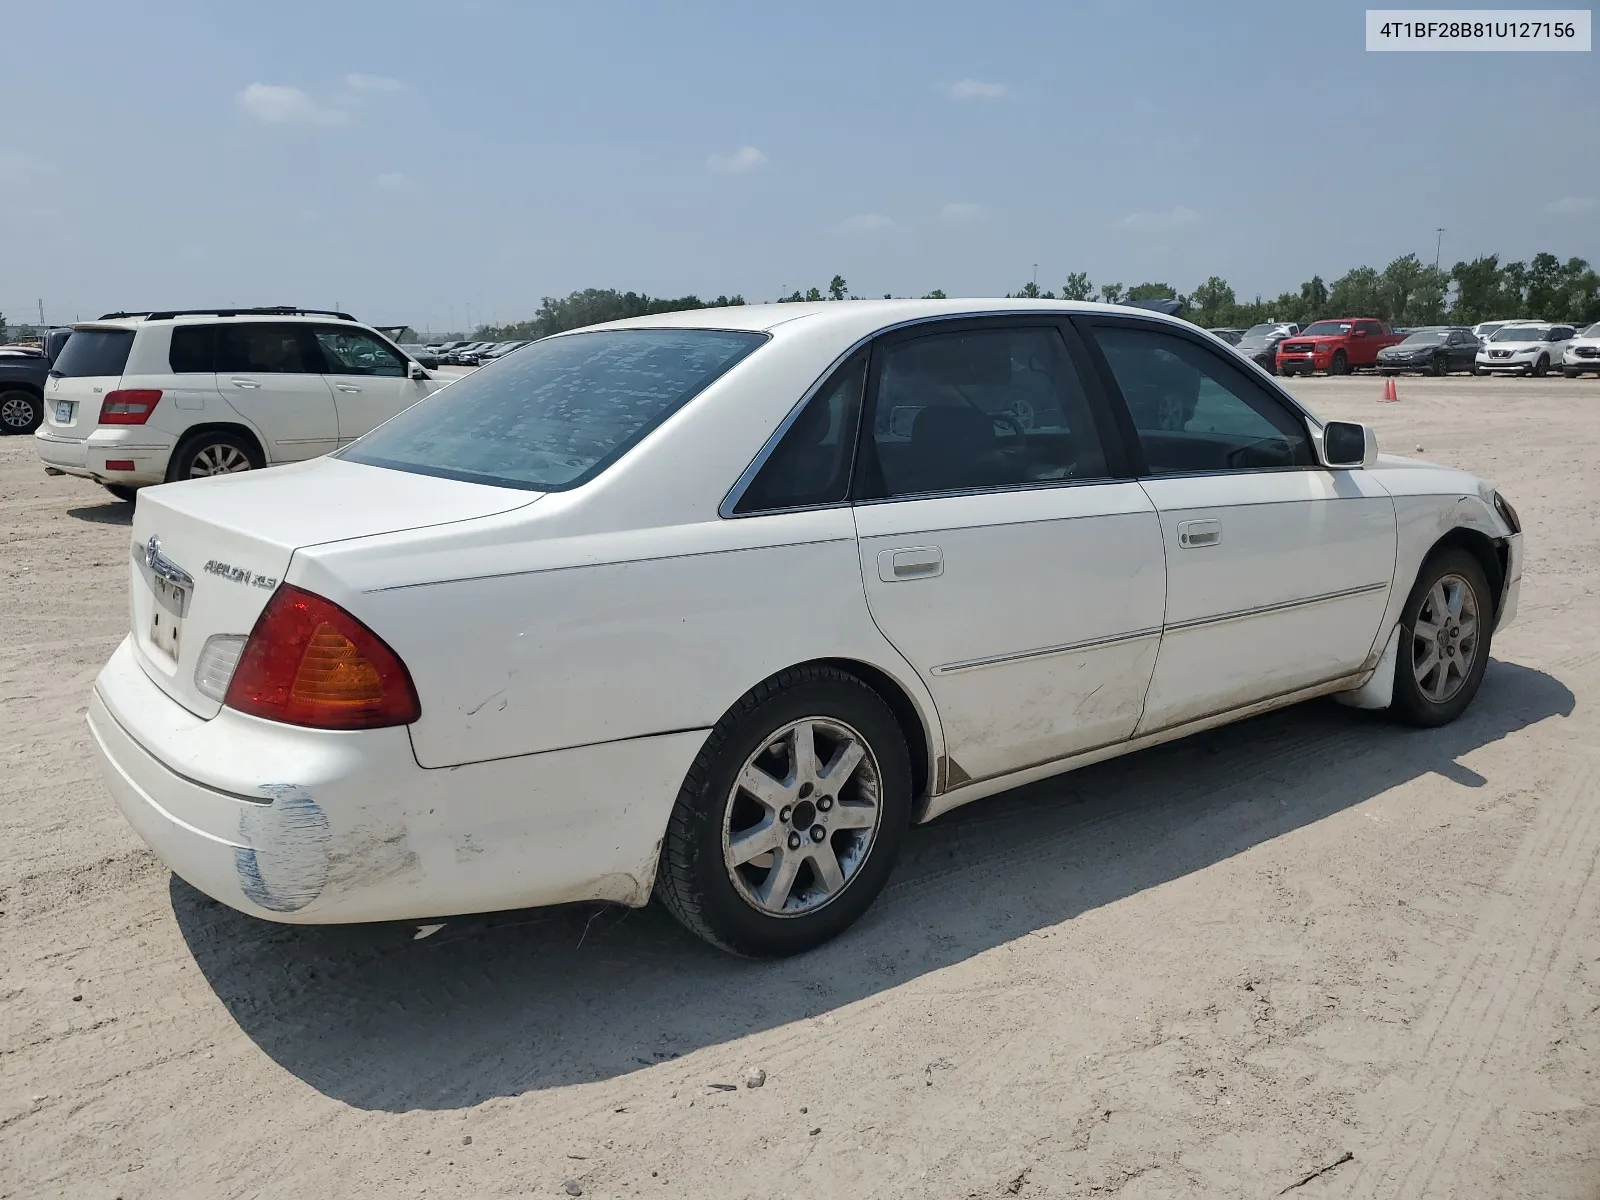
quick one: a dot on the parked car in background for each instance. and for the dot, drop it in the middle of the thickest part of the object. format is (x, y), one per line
(501, 350)
(510, 620)
(24, 371)
(1231, 336)
(1485, 330)
(1336, 346)
(422, 354)
(1525, 349)
(142, 398)
(1582, 353)
(1260, 343)
(1434, 351)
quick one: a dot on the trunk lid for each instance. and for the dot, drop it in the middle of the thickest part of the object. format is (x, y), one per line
(207, 554)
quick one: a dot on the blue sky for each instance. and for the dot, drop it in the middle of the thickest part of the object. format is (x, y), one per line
(410, 159)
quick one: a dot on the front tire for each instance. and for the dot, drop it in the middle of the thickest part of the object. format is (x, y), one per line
(790, 819)
(212, 453)
(1445, 631)
(121, 491)
(20, 411)
(1569, 373)
(1437, 368)
(1541, 368)
(1340, 364)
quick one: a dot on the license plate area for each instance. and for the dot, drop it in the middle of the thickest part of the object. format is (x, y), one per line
(166, 615)
(63, 412)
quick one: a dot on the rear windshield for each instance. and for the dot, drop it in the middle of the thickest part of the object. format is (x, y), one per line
(94, 352)
(556, 413)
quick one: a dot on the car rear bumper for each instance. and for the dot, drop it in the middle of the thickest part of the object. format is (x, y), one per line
(130, 456)
(312, 827)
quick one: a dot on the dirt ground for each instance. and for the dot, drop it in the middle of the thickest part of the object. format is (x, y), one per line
(1312, 955)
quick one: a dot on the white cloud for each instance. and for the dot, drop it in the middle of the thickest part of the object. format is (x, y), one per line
(976, 89)
(394, 181)
(867, 223)
(280, 104)
(1158, 222)
(1570, 205)
(372, 83)
(745, 158)
(959, 213)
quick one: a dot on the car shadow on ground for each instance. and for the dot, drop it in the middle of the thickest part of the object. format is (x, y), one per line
(112, 512)
(512, 1002)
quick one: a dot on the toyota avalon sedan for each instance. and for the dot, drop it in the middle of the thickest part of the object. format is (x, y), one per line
(713, 605)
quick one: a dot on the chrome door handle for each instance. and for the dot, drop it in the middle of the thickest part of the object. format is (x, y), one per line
(1193, 535)
(914, 562)
(347, 387)
(244, 383)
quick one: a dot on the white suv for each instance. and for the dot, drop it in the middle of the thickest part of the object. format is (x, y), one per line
(138, 398)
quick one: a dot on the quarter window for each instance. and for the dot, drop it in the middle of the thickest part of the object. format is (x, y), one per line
(190, 353)
(351, 352)
(1196, 412)
(262, 348)
(811, 463)
(986, 408)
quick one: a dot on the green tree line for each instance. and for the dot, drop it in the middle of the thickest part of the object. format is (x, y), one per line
(1407, 292)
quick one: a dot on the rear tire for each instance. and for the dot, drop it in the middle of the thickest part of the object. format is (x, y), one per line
(702, 879)
(20, 411)
(121, 491)
(215, 452)
(1438, 670)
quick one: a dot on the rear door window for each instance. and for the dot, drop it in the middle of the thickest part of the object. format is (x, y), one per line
(264, 348)
(556, 413)
(94, 353)
(978, 409)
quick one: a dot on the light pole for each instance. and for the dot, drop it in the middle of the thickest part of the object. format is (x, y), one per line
(1437, 245)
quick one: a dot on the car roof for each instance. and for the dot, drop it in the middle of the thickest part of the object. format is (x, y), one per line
(135, 321)
(864, 317)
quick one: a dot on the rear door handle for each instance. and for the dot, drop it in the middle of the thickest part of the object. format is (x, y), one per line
(913, 562)
(244, 383)
(1194, 535)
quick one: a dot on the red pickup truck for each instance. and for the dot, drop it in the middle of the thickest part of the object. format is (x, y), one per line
(1337, 346)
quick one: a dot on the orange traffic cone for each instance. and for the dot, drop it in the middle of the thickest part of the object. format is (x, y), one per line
(1390, 395)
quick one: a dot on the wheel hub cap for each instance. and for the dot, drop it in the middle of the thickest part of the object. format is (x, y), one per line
(801, 817)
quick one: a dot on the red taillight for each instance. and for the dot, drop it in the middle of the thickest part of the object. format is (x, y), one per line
(308, 662)
(130, 406)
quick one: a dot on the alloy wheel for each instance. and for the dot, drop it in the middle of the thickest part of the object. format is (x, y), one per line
(802, 816)
(1444, 639)
(218, 459)
(16, 412)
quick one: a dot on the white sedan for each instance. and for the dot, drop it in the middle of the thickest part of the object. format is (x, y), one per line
(713, 605)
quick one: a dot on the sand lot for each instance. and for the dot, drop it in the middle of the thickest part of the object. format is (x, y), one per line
(1313, 954)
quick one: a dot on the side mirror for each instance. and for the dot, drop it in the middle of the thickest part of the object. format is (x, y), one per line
(417, 371)
(1358, 333)
(1348, 446)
